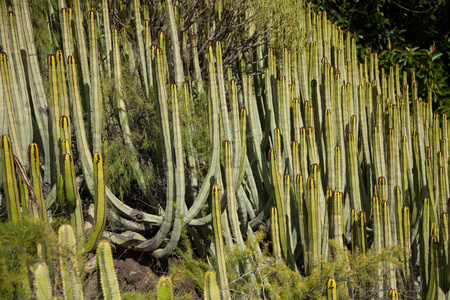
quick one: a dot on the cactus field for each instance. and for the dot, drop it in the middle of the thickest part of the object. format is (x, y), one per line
(198, 130)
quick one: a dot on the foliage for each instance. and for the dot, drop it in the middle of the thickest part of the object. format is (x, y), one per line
(414, 35)
(355, 273)
(188, 266)
(278, 15)
(19, 253)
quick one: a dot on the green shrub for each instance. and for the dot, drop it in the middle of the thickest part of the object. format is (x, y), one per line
(22, 245)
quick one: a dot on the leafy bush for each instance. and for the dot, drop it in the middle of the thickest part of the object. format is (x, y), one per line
(22, 245)
(355, 273)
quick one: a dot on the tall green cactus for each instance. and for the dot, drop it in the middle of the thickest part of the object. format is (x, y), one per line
(275, 234)
(96, 98)
(331, 289)
(105, 266)
(99, 204)
(211, 288)
(218, 243)
(69, 257)
(42, 284)
(36, 181)
(9, 180)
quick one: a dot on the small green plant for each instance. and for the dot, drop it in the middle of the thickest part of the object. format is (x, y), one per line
(354, 273)
(19, 253)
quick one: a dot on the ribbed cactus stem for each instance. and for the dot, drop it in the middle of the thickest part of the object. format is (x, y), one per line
(362, 232)
(393, 295)
(64, 107)
(36, 181)
(66, 30)
(330, 144)
(377, 243)
(354, 229)
(81, 49)
(279, 202)
(225, 123)
(180, 183)
(73, 199)
(27, 209)
(107, 34)
(99, 204)
(11, 110)
(178, 63)
(336, 220)
(96, 97)
(218, 242)
(407, 243)
(275, 233)
(432, 290)
(140, 43)
(18, 88)
(313, 223)
(9, 180)
(232, 207)
(331, 289)
(70, 263)
(105, 266)
(42, 284)
(165, 289)
(243, 147)
(38, 97)
(302, 218)
(387, 242)
(211, 288)
(353, 171)
(54, 114)
(215, 145)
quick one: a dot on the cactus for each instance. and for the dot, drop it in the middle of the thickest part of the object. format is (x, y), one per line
(180, 183)
(105, 266)
(96, 98)
(340, 128)
(331, 289)
(70, 270)
(165, 290)
(218, 243)
(99, 204)
(69, 258)
(10, 106)
(432, 290)
(140, 43)
(18, 85)
(36, 181)
(211, 289)
(81, 48)
(393, 295)
(275, 234)
(43, 288)
(9, 180)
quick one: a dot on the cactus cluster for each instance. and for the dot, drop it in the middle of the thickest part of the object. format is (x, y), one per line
(315, 141)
